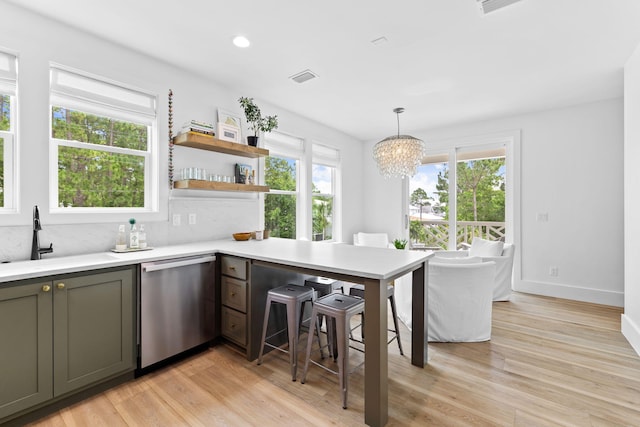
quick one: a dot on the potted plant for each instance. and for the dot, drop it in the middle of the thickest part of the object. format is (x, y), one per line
(400, 244)
(255, 120)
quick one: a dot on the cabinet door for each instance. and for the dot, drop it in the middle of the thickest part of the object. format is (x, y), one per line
(93, 328)
(234, 267)
(234, 293)
(25, 346)
(234, 326)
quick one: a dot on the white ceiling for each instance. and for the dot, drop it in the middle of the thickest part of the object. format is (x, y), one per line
(444, 61)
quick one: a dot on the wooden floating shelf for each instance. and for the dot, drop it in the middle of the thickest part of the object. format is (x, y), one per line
(194, 184)
(210, 143)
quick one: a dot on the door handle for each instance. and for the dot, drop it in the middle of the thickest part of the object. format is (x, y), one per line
(148, 267)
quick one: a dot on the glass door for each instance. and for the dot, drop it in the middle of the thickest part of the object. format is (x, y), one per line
(449, 206)
(428, 225)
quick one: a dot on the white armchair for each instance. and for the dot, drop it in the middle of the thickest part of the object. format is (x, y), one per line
(377, 240)
(500, 253)
(460, 301)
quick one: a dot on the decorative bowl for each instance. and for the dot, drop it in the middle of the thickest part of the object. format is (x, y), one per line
(242, 236)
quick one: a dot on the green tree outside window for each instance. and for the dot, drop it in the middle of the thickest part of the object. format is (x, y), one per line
(280, 209)
(96, 178)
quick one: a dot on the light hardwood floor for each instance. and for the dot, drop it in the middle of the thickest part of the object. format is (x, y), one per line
(550, 362)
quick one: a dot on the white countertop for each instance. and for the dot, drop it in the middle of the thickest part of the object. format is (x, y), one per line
(374, 263)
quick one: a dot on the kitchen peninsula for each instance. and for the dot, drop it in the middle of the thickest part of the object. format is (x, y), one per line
(372, 267)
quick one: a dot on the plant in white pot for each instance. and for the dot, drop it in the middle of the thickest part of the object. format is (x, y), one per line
(400, 244)
(256, 122)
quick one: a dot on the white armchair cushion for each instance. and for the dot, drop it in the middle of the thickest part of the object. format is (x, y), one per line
(504, 265)
(456, 260)
(482, 247)
(377, 240)
(504, 272)
(450, 254)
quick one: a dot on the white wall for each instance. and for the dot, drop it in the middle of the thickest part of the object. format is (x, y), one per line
(631, 316)
(571, 168)
(38, 42)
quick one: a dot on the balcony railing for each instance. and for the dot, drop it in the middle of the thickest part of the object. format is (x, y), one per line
(436, 233)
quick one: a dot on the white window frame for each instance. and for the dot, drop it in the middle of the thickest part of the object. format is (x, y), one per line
(325, 155)
(450, 150)
(81, 91)
(10, 194)
(9, 86)
(301, 150)
(284, 145)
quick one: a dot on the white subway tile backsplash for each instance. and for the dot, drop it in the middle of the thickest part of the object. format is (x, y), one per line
(217, 219)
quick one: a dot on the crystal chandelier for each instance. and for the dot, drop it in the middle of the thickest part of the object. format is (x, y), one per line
(399, 156)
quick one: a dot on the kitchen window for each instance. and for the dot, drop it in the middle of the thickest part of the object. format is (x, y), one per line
(323, 188)
(8, 120)
(304, 182)
(104, 155)
(282, 175)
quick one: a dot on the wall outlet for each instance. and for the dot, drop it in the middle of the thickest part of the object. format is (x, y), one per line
(192, 219)
(542, 216)
(176, 220)
(553, 271)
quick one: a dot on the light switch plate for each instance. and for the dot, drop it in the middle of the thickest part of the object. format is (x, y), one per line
(542, 216)
(176, 220)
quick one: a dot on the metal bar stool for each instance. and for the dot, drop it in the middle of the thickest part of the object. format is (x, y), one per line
(338, 308)
(358, 291)
(294, 297)
(325, 286)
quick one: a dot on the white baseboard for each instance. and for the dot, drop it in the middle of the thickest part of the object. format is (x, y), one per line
(631, 332)
(596, 296)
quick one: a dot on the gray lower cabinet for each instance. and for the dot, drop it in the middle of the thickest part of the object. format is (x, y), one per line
(244, 285)
(64, 334)
(26, 351)
(234, 289)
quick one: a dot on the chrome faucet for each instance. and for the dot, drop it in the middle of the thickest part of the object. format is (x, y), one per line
(36, 250)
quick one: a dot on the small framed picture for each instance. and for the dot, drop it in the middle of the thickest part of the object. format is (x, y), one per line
(243, 173)
(229, 119)
(228, 133)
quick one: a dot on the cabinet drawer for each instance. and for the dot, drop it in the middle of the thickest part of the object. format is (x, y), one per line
(234, 293)
(234, 267)
(234, 326)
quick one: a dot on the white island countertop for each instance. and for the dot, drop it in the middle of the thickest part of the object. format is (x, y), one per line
(374, 263)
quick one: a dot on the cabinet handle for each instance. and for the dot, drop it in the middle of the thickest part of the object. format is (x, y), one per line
(60, 285)
(233, 326)
(233, 294)
(232, 268)
(46, 288)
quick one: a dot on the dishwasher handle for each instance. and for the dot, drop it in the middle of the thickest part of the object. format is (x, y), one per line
(180, 262)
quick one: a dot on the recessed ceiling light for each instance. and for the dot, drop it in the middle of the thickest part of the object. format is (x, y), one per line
(241, 41)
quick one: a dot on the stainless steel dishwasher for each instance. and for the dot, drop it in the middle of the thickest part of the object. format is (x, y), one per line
(177, 305)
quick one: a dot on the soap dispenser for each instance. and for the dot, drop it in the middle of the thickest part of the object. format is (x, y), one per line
(121, 239)
(134, 242)
(142, 237)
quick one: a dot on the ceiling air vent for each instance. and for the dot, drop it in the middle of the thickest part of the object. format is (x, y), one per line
(487, 6)
(303, 76)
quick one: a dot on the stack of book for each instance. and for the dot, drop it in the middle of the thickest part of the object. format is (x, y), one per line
(199, 127)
